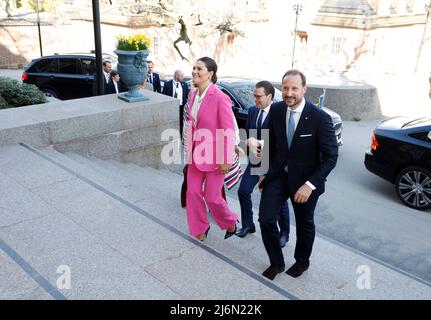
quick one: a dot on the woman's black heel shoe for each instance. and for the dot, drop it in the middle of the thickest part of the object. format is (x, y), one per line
(229, 234)
(206, 233)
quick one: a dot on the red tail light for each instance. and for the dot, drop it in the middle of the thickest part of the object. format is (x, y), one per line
(24, 76)
(374, 142)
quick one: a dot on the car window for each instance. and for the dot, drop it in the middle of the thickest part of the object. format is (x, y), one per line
(88, 66)
(244, 94)
(46, 65)
(227, 93)
(69, 66)
(424, 136)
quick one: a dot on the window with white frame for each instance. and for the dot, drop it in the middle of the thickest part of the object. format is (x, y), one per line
(156, 45)
(336, 45)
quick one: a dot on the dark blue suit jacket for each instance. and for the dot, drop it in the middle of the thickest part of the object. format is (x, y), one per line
(110, 87)
(168, 89)
(313, 153)
(156, 83)
(253, 114)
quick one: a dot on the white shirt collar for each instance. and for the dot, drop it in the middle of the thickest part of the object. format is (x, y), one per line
(300, 107)
(266, 110)
(197, 102)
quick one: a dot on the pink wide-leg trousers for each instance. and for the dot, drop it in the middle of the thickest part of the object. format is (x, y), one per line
(206, 185)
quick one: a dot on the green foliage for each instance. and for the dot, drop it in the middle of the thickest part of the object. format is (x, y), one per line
(16, 94)
(356, 119)
(3, 103)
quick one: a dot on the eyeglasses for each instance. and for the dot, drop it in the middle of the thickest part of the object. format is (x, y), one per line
(258, 97)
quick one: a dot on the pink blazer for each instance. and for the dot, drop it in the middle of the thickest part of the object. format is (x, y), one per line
(212, 137)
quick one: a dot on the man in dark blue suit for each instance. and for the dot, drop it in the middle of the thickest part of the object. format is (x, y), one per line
(153, 77)
(258, 119)
(302, 152)
(177, 88)
(115, 85)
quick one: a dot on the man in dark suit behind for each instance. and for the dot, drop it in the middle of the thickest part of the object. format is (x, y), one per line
(258, 119)
(302, 152)
(115, 85)
(153, 77)
(177, 88)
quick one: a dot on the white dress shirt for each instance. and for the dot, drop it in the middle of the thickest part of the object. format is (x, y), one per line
(197, 103)
(298, 110)
(115, 86)
(265, 113)
(179, 91)
(107, 76)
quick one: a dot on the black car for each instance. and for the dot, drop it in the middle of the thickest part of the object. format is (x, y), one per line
(67, 76)
(241, 93)
(400, 152)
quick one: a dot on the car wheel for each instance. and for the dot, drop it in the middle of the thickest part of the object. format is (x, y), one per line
(49, 93)
(413, 185)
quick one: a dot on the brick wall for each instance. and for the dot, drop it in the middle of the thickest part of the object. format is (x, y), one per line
(9, 60)
(16, 46)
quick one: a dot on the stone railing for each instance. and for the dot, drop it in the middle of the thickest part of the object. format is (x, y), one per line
(350, 102)
(102, 126)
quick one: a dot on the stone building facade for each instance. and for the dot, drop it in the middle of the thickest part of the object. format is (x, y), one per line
(248, 37)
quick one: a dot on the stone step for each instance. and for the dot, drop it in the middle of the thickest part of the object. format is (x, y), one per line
(160, 189)
(68, 222)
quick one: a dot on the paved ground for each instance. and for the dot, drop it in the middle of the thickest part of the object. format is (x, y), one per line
(10, 73)
(78, 228)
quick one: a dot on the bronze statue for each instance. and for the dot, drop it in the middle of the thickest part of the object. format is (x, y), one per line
(183, 37)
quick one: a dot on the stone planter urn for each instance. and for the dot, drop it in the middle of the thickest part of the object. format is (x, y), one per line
(132, 67)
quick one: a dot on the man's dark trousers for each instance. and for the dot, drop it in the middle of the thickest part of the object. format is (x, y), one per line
(274, 194)
(245, 190)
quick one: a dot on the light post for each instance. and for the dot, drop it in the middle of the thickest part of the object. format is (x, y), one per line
(297, 8)
(99, 78)
(38, 27)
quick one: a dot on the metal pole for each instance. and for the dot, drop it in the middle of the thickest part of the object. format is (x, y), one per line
(38, 27)
(294, 39)
(100, 81)
(297, 8)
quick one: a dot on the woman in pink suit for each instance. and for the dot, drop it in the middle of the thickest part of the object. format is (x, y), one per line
(211, 142)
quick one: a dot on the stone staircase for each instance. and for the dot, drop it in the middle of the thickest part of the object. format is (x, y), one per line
(119, 232)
